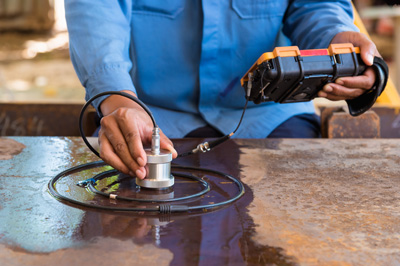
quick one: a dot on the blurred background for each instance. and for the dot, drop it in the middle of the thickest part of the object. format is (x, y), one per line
(35, 67)
(380, 18)
(34, 57)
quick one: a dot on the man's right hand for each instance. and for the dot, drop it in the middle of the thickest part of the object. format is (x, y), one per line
(125, 127)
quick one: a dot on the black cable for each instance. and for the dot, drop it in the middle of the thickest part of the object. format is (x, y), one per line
(215, 205)
(100, 176)
(53, 191)
(241, 118)
(162, 208)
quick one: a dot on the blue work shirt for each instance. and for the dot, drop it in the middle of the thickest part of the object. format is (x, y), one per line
(184, 59)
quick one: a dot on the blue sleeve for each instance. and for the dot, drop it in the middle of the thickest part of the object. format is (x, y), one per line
(99, 34)
(313, 24)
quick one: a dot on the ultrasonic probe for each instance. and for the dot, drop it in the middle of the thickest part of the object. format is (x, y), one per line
(158, 167)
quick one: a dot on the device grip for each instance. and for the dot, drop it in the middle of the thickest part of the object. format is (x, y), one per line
(364, 102)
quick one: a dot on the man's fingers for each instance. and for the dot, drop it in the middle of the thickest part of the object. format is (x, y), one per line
(364, 81)
(368, 51)
(120, 147)
(131, 134)
(332, 97)
(108, 155)
(348, 87)
(367, 47)
(123, 132)
(337, 92)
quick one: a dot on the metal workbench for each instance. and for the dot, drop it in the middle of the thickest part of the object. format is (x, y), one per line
(307, 202)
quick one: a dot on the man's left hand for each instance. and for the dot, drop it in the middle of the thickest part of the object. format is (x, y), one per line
(347, 88)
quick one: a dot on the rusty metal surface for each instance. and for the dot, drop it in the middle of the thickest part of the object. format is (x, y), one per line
(336, 123)
(24, 119)
(389, 123)
(307, 202)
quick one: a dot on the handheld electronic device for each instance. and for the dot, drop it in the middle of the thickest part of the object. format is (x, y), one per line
(289, 75)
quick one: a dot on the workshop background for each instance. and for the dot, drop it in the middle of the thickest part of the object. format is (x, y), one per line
(40, 93)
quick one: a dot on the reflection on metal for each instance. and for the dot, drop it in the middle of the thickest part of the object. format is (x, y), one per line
(155, 194)
(156, 234)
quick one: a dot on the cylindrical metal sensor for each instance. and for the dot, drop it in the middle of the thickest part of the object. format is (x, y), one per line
(158, 170)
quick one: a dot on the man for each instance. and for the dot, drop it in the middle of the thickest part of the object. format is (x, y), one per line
(184, 59)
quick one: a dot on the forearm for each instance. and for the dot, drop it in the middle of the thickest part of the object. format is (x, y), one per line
(114, 102)
(313, 24)
(99, 45)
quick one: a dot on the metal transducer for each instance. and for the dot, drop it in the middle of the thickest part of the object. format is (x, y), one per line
(158, 167)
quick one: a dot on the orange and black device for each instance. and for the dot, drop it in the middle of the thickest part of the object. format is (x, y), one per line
(289, 75)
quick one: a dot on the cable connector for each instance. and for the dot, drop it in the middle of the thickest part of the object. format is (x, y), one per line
(203, 147)
(207, 146)
(166, 208)
(85, 183)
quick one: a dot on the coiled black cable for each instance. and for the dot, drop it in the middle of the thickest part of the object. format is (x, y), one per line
(91, 184)
(161, 208)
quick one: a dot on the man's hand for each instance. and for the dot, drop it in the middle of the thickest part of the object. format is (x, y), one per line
(347, 88)
(125, 127)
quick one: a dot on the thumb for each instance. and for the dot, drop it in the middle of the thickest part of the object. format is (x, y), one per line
(367, 47)
(166, 144)
(368, 52)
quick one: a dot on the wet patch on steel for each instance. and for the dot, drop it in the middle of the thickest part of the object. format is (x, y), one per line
(225, 236)
(9, 148)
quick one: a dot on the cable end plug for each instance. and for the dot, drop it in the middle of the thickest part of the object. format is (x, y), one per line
(85, 183)
(207, 146)
(166, 208)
